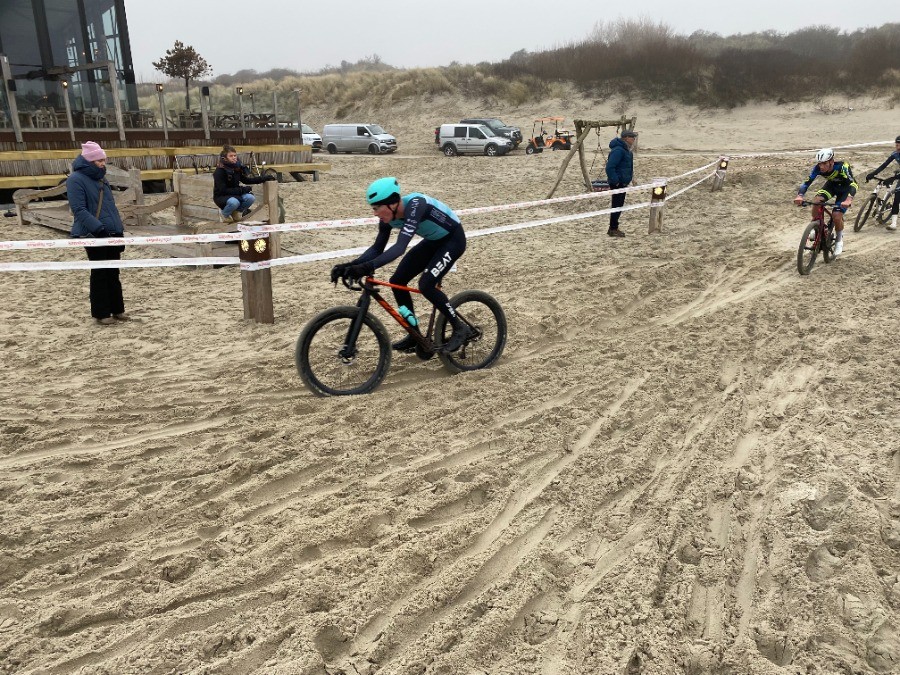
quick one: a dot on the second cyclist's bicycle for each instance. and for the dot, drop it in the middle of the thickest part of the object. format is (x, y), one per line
(818, 236)
(878, 205)
(346, 350)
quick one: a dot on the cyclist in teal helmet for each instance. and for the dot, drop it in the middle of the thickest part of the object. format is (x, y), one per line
(443, 242)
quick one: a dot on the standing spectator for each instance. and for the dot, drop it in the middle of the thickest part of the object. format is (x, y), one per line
(895, 207)
(96, 215)
(229, 195)
(619, 173)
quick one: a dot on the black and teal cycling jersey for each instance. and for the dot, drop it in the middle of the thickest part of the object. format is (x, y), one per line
(425, 216)
(840, 179)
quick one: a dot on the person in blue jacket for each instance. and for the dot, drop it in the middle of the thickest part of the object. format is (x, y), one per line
(443, 242)
(96, 215)
(619, 173)
(893, 157)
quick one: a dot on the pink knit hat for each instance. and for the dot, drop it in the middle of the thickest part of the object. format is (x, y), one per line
(92, 152)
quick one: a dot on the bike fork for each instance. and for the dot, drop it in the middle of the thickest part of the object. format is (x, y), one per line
(348, 351)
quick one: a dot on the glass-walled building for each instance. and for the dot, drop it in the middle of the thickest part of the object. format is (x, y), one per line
(48, 42)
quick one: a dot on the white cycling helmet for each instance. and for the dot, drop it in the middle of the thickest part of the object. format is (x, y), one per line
(824, 155)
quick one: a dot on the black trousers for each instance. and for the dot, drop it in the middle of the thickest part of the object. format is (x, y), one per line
(618, 201)
(106, 289)
(434, 258)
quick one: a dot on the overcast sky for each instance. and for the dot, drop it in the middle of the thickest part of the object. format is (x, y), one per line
(303, 36)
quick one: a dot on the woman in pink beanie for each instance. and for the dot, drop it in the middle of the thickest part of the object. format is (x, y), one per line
(96, 215)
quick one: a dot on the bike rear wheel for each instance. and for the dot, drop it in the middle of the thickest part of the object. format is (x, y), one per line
(864, 213)
(323, 364)
(485, 315)
(809, 248)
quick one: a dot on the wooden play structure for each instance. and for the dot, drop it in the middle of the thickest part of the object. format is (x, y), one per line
(582, 129)
(190, 202)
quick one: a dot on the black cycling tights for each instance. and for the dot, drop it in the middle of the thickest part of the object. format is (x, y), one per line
(434, 258)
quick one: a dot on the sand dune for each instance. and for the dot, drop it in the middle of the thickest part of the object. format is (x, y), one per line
(685, 462)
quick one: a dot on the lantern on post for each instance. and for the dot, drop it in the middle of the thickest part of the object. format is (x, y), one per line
(240, 94)
(657, 204)
(65, 95)
(162, 111)
(719, 179)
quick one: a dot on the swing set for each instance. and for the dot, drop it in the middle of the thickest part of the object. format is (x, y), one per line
(582, 129)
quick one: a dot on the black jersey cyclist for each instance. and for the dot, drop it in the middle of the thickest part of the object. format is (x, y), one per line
(839, 183)
(443, 242)
(894, 157)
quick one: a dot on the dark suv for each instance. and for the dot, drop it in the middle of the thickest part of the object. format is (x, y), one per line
(499, 128)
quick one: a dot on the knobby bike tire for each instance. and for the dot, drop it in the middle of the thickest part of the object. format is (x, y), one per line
(320, 364)
(486, 316)
(864, 213)
(809, 249)
(883, 211)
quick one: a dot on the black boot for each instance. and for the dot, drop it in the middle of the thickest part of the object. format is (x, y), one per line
(406, 345)
(461, 333)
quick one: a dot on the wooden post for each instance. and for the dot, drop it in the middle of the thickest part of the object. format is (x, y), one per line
(65, 96)
(176, 189)
(657, 206)
(562, 169)
(134, 178)
(256, 286)
(719, 179)
(204, 111)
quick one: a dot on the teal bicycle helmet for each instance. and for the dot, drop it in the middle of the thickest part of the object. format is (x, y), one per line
(384, 191)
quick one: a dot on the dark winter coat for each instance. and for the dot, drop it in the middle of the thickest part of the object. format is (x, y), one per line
(83, 187)
(620, 163)
(227, 180)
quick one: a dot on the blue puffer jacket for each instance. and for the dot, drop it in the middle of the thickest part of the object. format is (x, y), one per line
(83, 186)
(620, 163)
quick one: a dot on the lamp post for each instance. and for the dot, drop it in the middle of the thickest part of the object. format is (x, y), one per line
(162, 111)
(299, 118)
(65, 95)
(252, 103)
(240, 93)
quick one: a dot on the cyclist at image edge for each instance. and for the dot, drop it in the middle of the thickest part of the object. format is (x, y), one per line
(839, 183)
(443, 242)
(895, 207)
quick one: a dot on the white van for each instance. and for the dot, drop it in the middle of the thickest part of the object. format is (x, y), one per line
(459, 139)
(311, 138)
(349, 138)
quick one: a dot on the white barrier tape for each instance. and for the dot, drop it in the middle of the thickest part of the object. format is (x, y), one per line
(692, 185)
(327, 224)
(807, 152)
(327, 255)
(36, 244)
(109, 264)
(698, 169)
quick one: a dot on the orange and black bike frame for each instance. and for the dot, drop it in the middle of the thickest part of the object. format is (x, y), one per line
(370, 291)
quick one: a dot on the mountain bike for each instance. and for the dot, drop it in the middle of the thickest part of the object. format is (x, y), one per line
(879, 203)
(818, 236)
(346, 350)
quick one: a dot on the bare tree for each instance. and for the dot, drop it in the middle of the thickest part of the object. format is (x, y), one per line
(183, 62)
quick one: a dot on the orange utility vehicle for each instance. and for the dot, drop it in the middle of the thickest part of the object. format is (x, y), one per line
(541, 137)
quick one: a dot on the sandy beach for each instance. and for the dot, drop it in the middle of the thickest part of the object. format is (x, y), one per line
(686, 460)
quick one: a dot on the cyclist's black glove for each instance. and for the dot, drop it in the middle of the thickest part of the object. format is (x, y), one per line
(269, 176)
(338, 271)
(869, 176)
(359, 271)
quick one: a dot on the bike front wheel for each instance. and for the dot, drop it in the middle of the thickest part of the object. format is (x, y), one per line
(809, 248)
(483, 314)
(883, 211)
(864, 213)
(330, 367)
